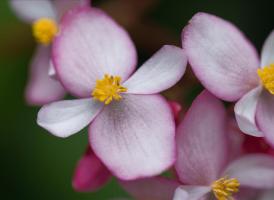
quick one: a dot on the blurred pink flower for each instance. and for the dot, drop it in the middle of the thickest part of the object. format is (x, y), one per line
(131, 123)
(42, 88)
(91, 174)
(203, 163)
(227, 64)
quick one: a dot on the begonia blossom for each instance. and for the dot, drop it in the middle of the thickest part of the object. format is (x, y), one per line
(131, 127)
(203, 164)
(227, 64)
(43, 16)
(91, 174)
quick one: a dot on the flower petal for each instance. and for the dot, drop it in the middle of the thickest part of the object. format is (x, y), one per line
(267, 56)
(176, 110)
(191, 193)
(165, 68)
(245, 110)
(221, 57)
(94, 45)
(267, 195)
(129, 136)
(62, 6)
(202, 141)
(253, 170)
(265, 115)
(29, 10)
(67, 117)
(41, 88)
(156, 188)
(90, 173)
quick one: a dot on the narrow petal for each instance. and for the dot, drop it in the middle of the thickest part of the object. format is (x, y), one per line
(245, 111)
(41, 88)
(202, 141)
(191, 193)
(51, 70)
(265, 115)
(254, 170)
(129, 136)
(160, 72)
(29, 10)
(176, 109)
(221, 57)
(94, 45)
(156, 188)
(67, 117)
(267, 56)
(90, 173)
(62, 6)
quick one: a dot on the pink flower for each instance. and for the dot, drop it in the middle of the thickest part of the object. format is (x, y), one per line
(132, 129)
(43, 15)
(203, 163)
(91, 174)
(227, 64)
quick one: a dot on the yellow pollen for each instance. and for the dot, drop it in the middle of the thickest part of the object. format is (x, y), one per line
(266, 75)
(108, 89)
(44, 30)
(224, 188)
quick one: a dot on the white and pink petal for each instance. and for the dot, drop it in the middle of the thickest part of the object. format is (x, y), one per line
(267, 55)
(129, 136)
(192, 193)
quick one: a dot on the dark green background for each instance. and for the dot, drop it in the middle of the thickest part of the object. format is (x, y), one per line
(34, 164)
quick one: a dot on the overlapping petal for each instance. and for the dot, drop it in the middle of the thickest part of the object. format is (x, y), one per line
(191, 193)
(245, 111)
(267, 55)
(221, 57)
(31, 10)
(202, 141)
(67, 117)
(94, 45)
(41, 88)
(62, 6)
(265, 116)
(254, 170)
(135, 137)
(156, 188)
(90, 173)
(160, 72)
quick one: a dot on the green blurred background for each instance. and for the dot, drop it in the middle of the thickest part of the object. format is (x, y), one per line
(36, 165)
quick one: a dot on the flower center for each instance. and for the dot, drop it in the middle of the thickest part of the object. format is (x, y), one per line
(224, 188)
(266, 75)
(44, 30)
(108, 89)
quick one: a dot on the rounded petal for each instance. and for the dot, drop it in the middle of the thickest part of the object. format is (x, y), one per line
(220, 56)
(90, 173)
(267, 56)
(90, 45)
(62, 6)
(265, 116)
(202, 141)
(156, 188)
(165, 68)
(191, 193)
(67, 117)
(41, 88)
(254, 170)
(29, 10)
(245, 111)
(135, 137)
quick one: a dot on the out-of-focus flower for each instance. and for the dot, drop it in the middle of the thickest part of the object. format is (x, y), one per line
(94, 59)
(91, 174)
(227, 64)
(203, 163)
(44, 17)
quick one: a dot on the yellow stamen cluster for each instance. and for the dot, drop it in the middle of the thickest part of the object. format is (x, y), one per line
(44, 30)
(224, 188)
(108, 89)
(266, 75)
